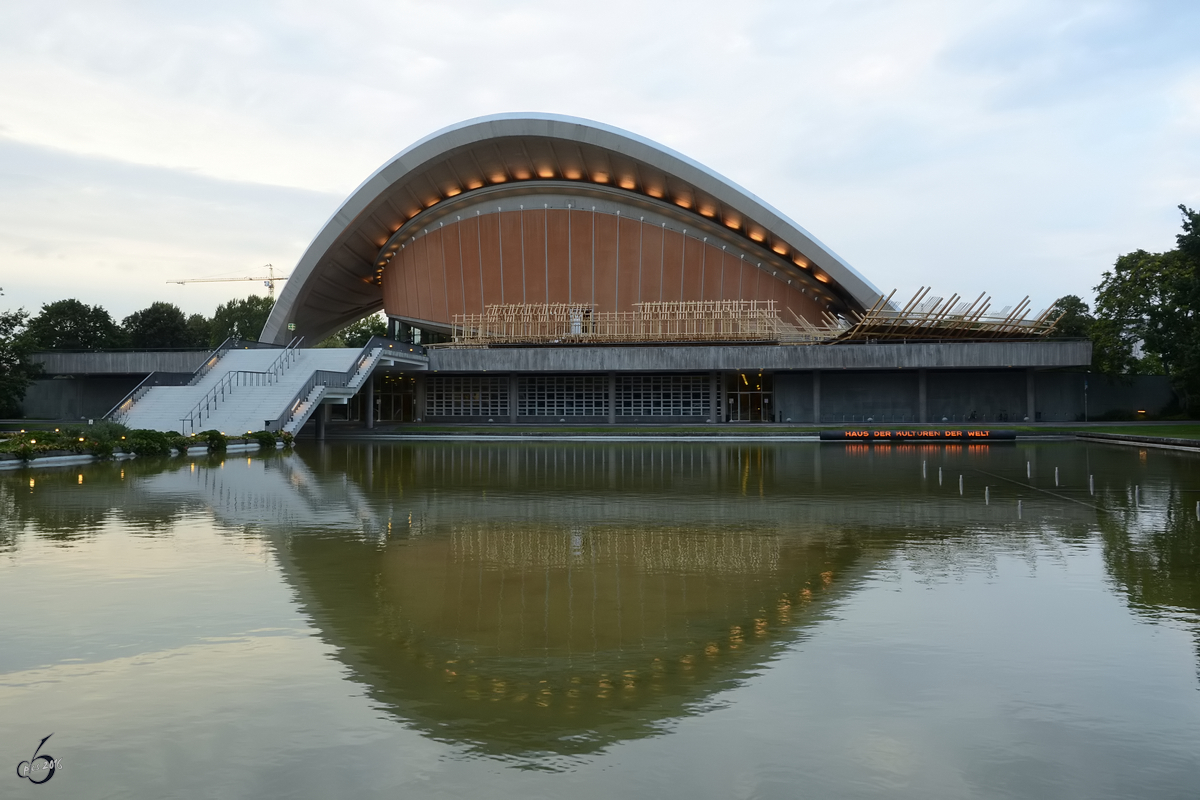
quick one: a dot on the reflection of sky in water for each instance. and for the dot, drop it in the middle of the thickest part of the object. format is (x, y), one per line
(791, 617)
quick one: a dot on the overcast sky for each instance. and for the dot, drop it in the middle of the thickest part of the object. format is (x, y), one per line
(1013, 147)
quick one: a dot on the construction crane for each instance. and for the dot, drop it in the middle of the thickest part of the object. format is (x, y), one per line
(268, 280)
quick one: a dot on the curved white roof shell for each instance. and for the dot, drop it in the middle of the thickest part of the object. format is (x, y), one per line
(336, 280)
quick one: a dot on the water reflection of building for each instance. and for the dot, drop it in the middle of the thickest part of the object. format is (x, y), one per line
(556, 597)
(544, 638)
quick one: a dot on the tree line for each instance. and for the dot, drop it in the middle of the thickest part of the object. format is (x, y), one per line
(73, 325)
(1146, 316)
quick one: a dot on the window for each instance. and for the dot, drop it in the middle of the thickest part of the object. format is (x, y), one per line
(466, 396)
(663, 396)
(562, 396)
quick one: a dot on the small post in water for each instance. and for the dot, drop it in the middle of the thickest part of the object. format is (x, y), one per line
(1056, 476)
(987, 496)
(1028, 470)
(923, 463)
(939, 476)
(1091, 484)
(960, 484)
(1137, 496)
(1018, 509)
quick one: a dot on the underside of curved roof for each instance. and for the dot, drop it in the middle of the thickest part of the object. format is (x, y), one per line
(336, 280)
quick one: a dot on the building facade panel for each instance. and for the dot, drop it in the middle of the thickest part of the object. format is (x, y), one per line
(533, 256)
(570, 256)
(510, 257)
(558, 254)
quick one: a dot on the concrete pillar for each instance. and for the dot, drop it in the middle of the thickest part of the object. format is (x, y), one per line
(321, 414)
(612, 398)
(1030, 398)
(369, 407)
(714, 400)
(419, 398)
(922, 396)
(816, 397)
(514, 388)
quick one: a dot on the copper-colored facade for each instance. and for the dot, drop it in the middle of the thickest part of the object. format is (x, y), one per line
(570, 256)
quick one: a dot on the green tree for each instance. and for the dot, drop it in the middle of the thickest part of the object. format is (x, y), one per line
(199, 331)
(158, 326)
(1074, 319)
(358, 333)
(16, 371)
(243, 319)
(1153, 299)
(72, 325)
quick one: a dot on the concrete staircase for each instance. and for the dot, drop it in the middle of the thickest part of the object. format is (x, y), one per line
(249, 390)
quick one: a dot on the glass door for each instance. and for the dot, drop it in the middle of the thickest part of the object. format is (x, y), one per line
(748, 397)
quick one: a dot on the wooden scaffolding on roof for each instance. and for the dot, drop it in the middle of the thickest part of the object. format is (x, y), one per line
(923, 318)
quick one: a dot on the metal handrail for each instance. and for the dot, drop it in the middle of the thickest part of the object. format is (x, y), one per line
(207, 404)
(212, 359)
(126, 403)
(120, 411)
(322, 377)
(331, 379)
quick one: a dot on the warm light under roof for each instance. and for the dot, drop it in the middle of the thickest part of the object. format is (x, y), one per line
(654, 191)
(627, 183)
(498, 178)
(756, 236)
(572, 174)
(475, 185)
(521, 174)
(708, 211)
(453, 192)
(545, 173)
(600, 177)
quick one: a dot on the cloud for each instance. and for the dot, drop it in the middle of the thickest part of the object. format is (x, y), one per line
(1014, 146)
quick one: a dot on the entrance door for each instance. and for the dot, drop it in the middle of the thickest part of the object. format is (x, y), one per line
(748, 397)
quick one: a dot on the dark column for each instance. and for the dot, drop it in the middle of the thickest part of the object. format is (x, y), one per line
(816, 397)
(1030, 398)
(612, 398)
(321, 412)
(714, 386)
(419, 398)
(922, 396)
(513, 393)
(369, 411)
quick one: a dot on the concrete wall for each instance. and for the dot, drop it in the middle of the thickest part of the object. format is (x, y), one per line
(120, 363)
(959, 395)
(659, 358)
(881, 396)
(76, 397)
(794, 396)
(1060, 395)
(986, 396)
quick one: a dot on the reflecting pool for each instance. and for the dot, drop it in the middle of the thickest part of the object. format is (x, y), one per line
(551, 619)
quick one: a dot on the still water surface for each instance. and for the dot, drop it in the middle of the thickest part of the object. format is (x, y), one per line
(609, 619)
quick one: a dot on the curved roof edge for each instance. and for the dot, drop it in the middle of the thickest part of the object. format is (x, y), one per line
(444, 142)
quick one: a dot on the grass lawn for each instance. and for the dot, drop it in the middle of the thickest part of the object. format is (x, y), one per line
(1176, 430)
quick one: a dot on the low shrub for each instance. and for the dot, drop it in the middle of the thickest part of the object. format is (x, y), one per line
(286, 438)
(216, 441)
(101, 448)
(148, 443)
(265, 439)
